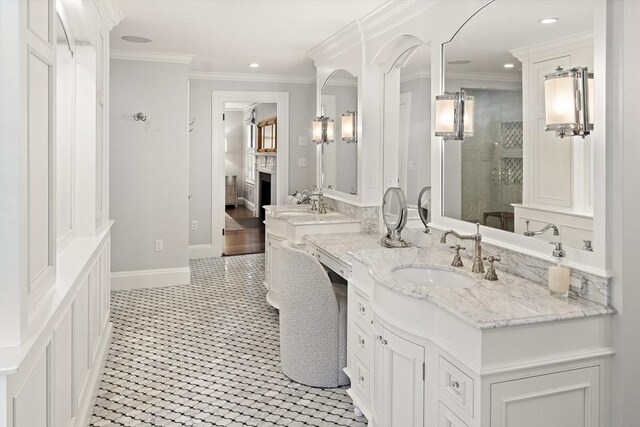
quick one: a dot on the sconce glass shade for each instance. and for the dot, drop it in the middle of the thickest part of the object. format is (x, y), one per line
(322, 130)
(349, 127)
(569, 102)
(454, 116)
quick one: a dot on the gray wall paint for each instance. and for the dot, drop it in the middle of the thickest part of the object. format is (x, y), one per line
(149, 165)
(302, 100)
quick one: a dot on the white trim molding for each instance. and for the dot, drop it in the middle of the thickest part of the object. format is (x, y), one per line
(131, 55)
(247, 77)
(158, 278)
(109, 12)
(201, 251)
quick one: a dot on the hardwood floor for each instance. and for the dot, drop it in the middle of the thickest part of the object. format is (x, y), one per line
(247, 241)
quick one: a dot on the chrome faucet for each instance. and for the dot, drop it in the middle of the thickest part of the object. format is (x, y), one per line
(321, 205)
(543, 230)
(478, 266)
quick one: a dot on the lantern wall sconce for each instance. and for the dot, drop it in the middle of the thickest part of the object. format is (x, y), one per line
(322, 129)
(349, 127)
(454, 115)
(568, 101)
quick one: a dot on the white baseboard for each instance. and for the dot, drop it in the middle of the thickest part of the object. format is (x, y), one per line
(83, 417)
(200, 251)
(161, 277)
(249, 205)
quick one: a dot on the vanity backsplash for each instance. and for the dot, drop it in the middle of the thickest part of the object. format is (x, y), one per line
(585, 285)
(367, 215)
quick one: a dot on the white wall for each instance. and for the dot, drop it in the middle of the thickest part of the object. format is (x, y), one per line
(301, 111)
(234, 155)
(149, 165)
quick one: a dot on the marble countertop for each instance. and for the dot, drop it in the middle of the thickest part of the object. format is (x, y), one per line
(510, 301)
(302, 215)
(342, 246)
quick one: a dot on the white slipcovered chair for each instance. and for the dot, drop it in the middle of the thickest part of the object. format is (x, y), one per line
(313, 321)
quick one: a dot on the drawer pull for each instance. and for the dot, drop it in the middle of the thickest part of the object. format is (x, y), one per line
(362, 309)
(361, 340)
(454, 385)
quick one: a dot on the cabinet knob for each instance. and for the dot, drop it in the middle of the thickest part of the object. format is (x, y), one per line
(379, 337)
(454, 385)
(361, 379)
(384, 342)
(362, 309)
(361, 341)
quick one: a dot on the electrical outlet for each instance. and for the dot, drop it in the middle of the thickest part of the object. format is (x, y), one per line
(370, 181)
(410, 165)
(303, 140)
(302, 161)
(159, 245)
(194, 225)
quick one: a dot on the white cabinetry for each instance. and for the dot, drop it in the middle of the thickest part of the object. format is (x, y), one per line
(413, 364)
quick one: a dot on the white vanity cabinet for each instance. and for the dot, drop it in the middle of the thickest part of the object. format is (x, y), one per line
(412, 363)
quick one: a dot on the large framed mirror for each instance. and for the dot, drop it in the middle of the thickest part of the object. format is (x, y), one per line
(268, 135)
(511, 174)
(339, 157)
(407, 124)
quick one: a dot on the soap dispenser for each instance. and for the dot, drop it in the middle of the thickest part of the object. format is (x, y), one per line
(559, 275)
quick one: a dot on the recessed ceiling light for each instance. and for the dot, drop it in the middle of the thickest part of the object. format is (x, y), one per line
(509, 65)
(459, 62)
(548, 20)
(254, 65)
(136, 39)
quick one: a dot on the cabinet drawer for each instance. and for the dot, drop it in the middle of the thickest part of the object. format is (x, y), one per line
(361, 342)
(446, 417)
(455, 385)
(362, 381)
(361, 310)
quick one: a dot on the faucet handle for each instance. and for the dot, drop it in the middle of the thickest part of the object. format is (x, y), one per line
(457, 248)
(491, 271)
(558, 252)
(457, 260)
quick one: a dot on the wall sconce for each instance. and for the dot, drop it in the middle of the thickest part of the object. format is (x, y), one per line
(349, 127)
(322, 129)
(568, 101)
(454, 115)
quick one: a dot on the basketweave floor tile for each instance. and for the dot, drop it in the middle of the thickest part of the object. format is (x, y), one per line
(207, 353)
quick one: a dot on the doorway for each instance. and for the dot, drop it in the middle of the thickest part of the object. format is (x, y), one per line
(236, 225)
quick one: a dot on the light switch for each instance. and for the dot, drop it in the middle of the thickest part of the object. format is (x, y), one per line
(194, 225)
(302, 140)
(302, 161)
(159, 245)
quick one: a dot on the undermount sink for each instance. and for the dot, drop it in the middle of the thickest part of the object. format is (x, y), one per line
(433, 277)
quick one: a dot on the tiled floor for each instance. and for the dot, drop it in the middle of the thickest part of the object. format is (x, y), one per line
(207, 354)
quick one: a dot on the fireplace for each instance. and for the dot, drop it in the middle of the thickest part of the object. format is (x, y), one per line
(265, 192)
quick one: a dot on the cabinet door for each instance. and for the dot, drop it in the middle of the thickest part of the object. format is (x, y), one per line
(399, 386)
(562, 399)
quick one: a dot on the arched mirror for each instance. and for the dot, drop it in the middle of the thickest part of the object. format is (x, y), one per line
(407, 123)
(511, 174)
(339, 103)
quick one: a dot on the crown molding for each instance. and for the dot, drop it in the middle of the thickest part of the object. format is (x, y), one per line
(246, 77)
(132, 55)
(392, 14)
(337, 44)
(494, 77)
(559, 46)
(109, 12)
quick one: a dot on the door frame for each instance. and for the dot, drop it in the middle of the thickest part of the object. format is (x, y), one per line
(218, 98)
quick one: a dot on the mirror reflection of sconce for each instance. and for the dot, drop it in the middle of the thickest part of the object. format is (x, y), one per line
(568, 100)
(454, 115)
(349, 127)
(139, 117)
(322, 129)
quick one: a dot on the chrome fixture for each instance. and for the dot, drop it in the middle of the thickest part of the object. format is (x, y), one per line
(558, 252)
(491, 270)
(139, 117)
(478, 266)
(568, 101)
(457, 260)
(316, 198)
(349, 127)
(322, 205)
(587, 245)
(543, 230)
(322, 129)
(423, 211)
(305, 198)
(454, 115)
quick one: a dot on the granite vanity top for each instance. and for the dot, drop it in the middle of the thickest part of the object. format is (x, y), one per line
(342, 246)
(303, 215)
(510, 301)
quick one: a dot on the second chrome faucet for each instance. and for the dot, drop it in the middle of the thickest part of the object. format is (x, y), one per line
(478, 266)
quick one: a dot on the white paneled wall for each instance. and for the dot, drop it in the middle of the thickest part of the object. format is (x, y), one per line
(54, 218)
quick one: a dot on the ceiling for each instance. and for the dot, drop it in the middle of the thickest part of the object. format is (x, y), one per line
(227, 35)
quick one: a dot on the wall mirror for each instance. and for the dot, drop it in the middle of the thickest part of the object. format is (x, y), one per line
(511, 174)
(268, 135)
(338, 99)
(407, 124)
